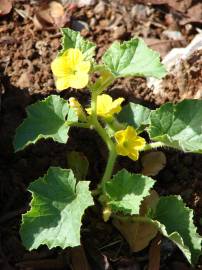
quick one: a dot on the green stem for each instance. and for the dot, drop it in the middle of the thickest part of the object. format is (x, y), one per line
(101, 84)
(110, 166)
(103, 134)
(81, 125)
(153, 145)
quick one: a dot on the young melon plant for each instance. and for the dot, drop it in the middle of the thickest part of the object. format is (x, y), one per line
(59, 200)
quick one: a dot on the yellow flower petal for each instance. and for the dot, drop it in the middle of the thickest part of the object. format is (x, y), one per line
(120, 136)
(116, 105)
(103, 104)
(71, 70)
(79, 80)
(131, 132)
(62, 83)
(128, 143)
(74, 57)
(139, 143)
(83, 66)
(106, 107)
(59, 66)
(134, 155)
(121, 150)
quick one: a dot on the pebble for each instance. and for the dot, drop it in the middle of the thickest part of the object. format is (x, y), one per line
(99, 8)
(119, 32)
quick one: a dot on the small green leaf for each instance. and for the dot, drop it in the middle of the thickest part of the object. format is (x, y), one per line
(57, 208)
(73, 39)
(135, 115)
(178, 126)
(79, 164)
(45, 119)
(126, 191)
(133, 58)
(177, 224)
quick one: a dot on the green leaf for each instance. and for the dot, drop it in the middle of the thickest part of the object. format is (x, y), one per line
(73, 39)
(133, 58)
(79, 164)
(135, 115)
(177, 224)
(178, 126)
(57, 208)
(45, 119)
(126, 191)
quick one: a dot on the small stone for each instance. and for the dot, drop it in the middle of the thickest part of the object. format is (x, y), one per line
(99, 8)
(119, 32)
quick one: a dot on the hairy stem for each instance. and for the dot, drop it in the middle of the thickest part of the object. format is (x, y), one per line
(153, 145)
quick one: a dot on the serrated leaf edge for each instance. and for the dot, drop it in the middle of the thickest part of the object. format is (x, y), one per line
(179, 198)
(39, 137)
(79, 35)
(33, 198)
(126, 210)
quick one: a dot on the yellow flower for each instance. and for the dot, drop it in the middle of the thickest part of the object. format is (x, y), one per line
(106, 107)
(129, 143)
(76, 106)
(71, 70)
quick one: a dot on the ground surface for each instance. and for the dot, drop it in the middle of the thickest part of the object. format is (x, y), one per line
(25, 56)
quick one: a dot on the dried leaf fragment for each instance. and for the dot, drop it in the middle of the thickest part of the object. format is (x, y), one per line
(52, 13)
(149, 202)
(57, 13)
(153, 163)
(137, 234)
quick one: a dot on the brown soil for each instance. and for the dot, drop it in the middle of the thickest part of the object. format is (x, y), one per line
(25, 77)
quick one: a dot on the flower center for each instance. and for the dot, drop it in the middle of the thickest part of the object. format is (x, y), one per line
(126, 144)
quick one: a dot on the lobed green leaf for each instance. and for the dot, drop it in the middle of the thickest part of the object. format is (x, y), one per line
(135, 115)
(45, 119)
(73, 39)
(126, 191)
(133, 58)
(176, 223)
(178, 125)
(57, 208)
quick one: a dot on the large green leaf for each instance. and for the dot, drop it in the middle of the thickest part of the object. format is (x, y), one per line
(57, 207)
(73, 39)
(178, 126)
(176, 223)
(133, 58)
(135, 115)
(45, 119)
(126, 191)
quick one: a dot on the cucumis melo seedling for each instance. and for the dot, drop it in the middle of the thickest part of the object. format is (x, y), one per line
(59, 200)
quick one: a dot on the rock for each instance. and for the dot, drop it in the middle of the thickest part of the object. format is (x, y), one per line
(119, 32)
(99, 8)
